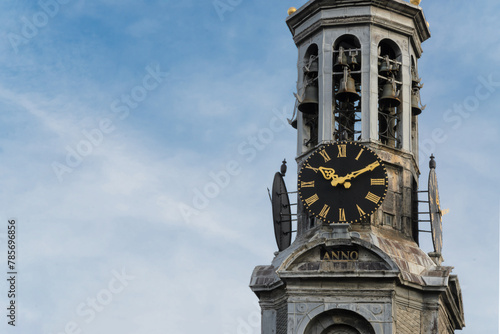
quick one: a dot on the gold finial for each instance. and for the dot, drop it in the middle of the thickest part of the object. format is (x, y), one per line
(428, 24)
(291, 10)
(415, 2)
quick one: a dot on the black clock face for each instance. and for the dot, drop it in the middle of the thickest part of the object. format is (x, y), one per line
(344, 182)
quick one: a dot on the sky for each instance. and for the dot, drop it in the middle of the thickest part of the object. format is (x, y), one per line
(137, 140)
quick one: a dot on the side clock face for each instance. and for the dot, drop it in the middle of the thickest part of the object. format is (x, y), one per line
(435, 212)
(343, 182)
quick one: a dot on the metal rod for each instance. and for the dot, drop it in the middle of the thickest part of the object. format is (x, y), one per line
(424, 221)
(342, 73)
(387, 78)
(391, 60)
(425, 231)
(423, 201)
(423, 191)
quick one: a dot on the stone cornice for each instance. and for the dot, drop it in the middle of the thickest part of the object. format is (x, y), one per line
(418, 33)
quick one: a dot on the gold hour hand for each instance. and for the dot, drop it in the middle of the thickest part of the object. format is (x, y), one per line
(328, 173)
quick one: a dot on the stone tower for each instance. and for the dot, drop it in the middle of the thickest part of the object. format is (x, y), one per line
(358, 83)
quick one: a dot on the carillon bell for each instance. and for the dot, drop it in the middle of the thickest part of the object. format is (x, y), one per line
(415, 80)
(341, 61)
(353, 62)
(310, 102)
(389, 98)
(416, 109)
(347, 89)
(312, 66)
(385, 66)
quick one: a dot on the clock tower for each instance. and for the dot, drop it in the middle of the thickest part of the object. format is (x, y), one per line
(355, 265)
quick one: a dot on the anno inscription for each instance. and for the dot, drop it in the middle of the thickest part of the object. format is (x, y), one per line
(339, 254)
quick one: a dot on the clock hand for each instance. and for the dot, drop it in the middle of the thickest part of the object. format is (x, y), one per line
(328, 173)
(370, 167)
(343, 180)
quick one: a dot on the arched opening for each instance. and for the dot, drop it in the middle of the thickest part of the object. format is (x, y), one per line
(389, 110)
(347, 87)
(416, 109)
(339, 321)
(308, 99)
(341, 329)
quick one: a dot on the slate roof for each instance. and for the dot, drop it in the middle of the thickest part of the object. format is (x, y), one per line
(414, 265)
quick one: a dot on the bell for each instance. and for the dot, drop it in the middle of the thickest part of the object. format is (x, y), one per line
(385, 66)
(310, 103)
(312, 65)
(416, 109)
(414, 77)
(389, 98)
(347, 90)
(353, 62)
(341, 61)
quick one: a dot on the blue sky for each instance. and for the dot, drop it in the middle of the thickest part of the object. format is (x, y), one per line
(173, 97)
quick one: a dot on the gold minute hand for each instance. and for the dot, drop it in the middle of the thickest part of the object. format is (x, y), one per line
(370, 167)
(343, 180)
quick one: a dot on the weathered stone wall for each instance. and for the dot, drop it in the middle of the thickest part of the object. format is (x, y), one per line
(408, 320)
(444, 323)
(282, 319)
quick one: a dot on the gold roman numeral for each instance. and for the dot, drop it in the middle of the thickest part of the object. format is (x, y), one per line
(307, 184)
(361, 212)
(325, 155)
(372, 197)
(311, 200)
(324, 211)
(342, 151)
(378, 182)
(359, 154)
(310, 167)
(341, 215)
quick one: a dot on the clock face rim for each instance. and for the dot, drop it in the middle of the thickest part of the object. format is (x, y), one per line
(332, 148)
